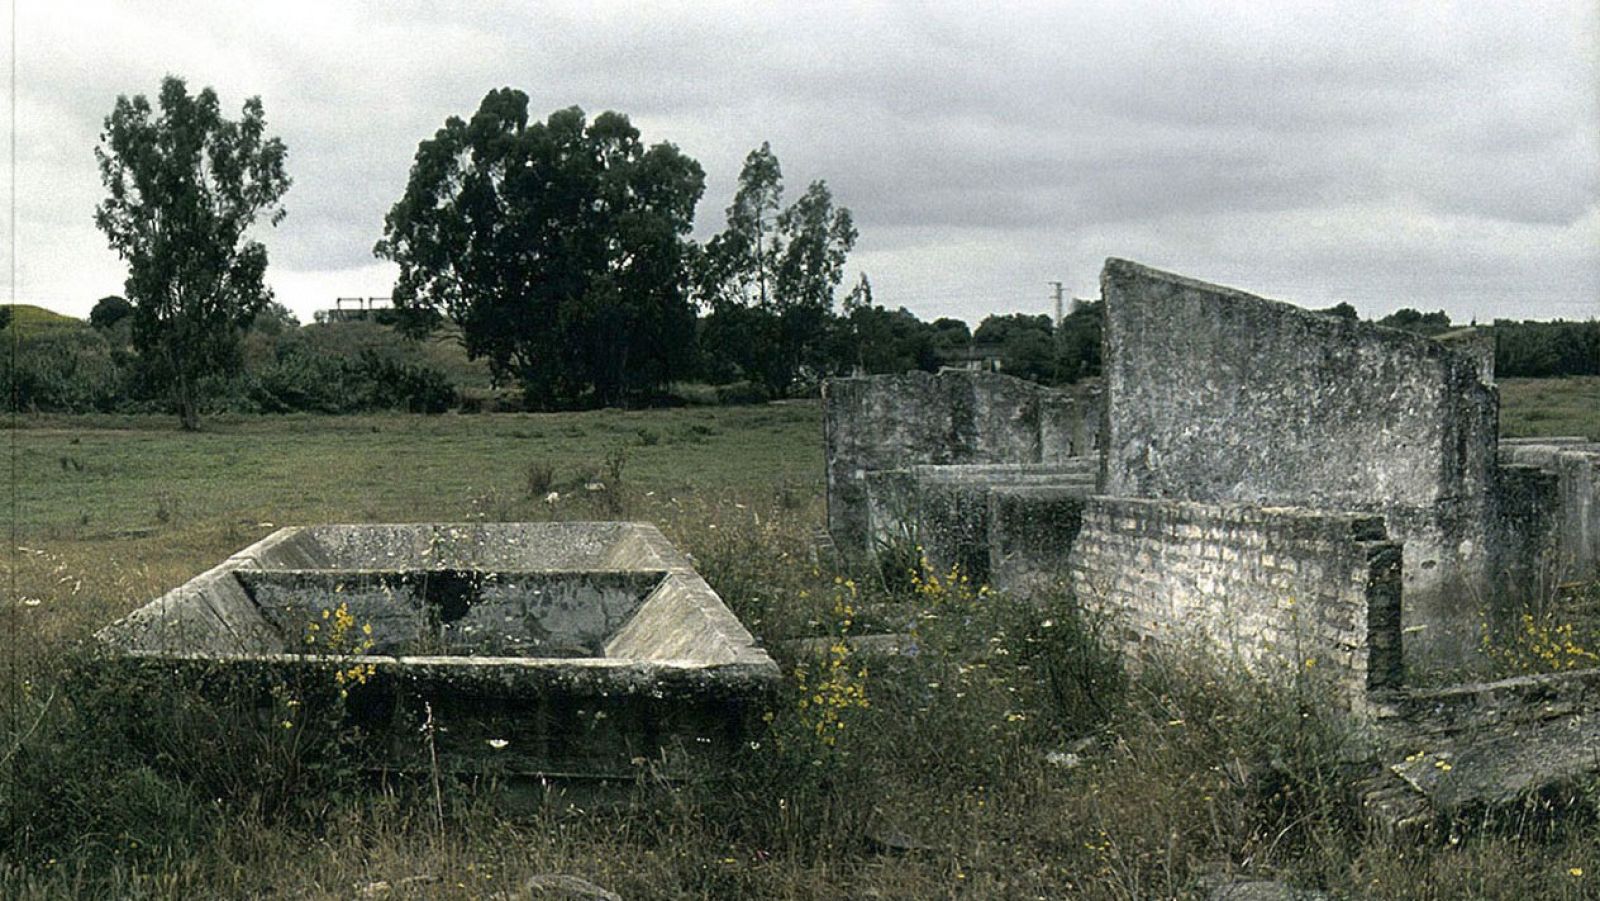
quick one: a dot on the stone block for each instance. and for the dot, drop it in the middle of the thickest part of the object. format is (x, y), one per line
(891, 422)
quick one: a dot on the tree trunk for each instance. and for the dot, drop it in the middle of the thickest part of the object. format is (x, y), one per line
(188, 413)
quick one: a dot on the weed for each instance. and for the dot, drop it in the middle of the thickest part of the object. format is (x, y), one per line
(538, 478)
(491, 505)
(616, 462)
(833, 690)
(897, 558)
(166, 506)
(338, 634)
(1539, 643)
(612, 491)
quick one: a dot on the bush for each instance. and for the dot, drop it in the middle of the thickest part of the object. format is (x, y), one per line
(743, 393)
(309, 371)
(127, 762)
(65, 370)
(380, 382)
(298, 379)
(538, 479)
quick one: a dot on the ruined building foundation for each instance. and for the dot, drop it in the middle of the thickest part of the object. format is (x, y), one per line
(1276, 484)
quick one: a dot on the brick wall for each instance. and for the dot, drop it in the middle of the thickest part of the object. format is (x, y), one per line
(1267, 586)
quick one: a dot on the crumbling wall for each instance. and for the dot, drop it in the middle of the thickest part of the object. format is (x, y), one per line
(1031, 531)
(1219, 396)
(1265, 586)
(944, 511)
(1527, 533)
(1570, 536)
(894, 422)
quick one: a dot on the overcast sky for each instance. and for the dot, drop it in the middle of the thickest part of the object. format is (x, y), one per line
(1389, 154)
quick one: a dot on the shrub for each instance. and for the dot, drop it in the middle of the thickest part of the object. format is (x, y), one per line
(386, 383)
(538, 478)
(64, 370)
(306, 374)
(742, 393)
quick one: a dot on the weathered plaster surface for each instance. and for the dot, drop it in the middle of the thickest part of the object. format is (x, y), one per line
(1217, 395)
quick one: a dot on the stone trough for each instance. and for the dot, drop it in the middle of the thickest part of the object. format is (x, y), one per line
(575, 650)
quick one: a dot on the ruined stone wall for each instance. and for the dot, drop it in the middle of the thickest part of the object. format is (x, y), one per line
(1220, 396)
(1570, 540)
(1031, 532)
(1268, 586)
(1527, 533)
(894, 422)
(945, 510)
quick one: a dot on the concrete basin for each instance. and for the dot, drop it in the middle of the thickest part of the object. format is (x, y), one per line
(561, 649)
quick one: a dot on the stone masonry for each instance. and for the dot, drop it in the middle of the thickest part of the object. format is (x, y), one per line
(911, 427)
(1272, 485)
(1218, 396)
(1567, 532)
(1268, 587)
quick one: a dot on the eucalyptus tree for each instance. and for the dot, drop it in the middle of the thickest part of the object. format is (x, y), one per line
(184, 186)
(559, 248)
(770, 276)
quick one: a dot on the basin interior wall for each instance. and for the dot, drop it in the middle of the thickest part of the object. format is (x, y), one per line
(447, 611)
(523, 591)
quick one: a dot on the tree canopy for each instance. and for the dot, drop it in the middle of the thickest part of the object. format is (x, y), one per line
(769, 277)
(559, 247)
(109, 310)
(1416, 321)
(184, 185)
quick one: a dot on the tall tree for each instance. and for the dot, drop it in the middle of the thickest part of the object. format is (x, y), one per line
(784, 264)
(817, 238)
(559, 247)
(743, 257)
(184, 186)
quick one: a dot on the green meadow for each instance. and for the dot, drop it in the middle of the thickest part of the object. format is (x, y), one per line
(1534, 407)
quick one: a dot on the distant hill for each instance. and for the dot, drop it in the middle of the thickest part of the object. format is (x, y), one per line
(28, 319)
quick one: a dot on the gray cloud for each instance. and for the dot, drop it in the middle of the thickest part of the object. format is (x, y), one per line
(1429, 154)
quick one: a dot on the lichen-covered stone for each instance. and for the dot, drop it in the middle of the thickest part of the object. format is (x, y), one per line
(895, 422)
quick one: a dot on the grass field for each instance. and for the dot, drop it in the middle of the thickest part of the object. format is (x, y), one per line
(1007, 760)
(1538, 407)
(27, 319)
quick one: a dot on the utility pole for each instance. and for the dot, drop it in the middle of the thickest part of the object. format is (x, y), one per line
(1057, 335)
